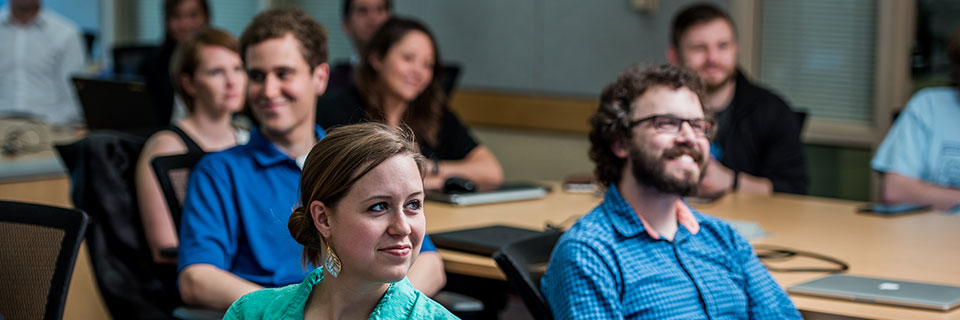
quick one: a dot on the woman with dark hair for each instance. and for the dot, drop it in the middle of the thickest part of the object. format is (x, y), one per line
(361, 222)
(181, 19)
(396, 84)
(209, 75)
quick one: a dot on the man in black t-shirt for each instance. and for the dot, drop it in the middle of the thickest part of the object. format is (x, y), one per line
(757, 146)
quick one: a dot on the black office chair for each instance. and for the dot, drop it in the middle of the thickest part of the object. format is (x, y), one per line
(524, 263)
(38, 248)
(449, 74)
(102, 167)
(172, 174)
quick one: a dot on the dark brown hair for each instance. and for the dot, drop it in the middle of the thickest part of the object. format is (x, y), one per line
(347, 7)
(611, 123)
(953, 54)
(186, 57)
(694, 15)
(424, 113)
(170, 6)
(277, 23)
(335, 164)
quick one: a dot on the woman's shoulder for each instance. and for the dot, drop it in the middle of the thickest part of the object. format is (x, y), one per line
(164, 142)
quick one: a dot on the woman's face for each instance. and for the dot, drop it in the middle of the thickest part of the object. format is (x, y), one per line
(186, 19)
(407, 68)
(219, 81)
(377, 228)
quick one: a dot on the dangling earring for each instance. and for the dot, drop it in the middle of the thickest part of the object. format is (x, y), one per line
(331, 262)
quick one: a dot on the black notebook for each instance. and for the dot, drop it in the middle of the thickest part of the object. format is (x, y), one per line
(484, 240)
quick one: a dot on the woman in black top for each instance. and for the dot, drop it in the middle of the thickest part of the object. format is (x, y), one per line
(396, 83)
(209, 74)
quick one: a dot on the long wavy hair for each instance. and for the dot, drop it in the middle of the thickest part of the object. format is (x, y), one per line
(425, 112)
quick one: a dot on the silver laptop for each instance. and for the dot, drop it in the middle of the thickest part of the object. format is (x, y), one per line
(882, 291)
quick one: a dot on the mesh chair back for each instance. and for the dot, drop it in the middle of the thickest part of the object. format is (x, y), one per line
(38, 248)
(173, 173)
(524, 263)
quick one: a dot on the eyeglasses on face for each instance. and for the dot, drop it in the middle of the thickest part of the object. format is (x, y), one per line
(671, 124)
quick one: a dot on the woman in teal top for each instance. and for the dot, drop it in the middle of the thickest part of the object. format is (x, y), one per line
(361, 220)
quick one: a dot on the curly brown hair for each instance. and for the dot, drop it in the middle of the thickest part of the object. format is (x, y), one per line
(277, 23)
(611, 123)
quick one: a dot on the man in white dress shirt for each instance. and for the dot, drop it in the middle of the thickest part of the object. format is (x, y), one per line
(41, 50)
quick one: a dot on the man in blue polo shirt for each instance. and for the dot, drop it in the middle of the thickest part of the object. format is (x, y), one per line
(643, 253)
(234, 237)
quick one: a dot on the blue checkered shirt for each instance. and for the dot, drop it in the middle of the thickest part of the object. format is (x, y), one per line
(607, 267)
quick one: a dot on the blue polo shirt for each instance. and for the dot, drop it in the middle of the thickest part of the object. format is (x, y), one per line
(236, 211)
(608, 266)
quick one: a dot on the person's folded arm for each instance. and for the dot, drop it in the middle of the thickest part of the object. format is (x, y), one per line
(207, 286)
(901, 189)
(480, 166)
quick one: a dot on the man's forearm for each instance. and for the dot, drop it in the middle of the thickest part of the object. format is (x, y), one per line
(754, 184)
(898, 188)
(207, 286)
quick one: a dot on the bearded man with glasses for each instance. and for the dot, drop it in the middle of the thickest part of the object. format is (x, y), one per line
(643, 253)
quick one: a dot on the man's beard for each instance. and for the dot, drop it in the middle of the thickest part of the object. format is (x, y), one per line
(713, 87)
(650, 171)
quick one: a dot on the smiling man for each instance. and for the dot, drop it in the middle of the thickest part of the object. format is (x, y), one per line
(757, 147)
(239, 200)
(643, 253)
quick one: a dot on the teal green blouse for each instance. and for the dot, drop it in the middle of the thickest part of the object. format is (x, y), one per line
(401, 301)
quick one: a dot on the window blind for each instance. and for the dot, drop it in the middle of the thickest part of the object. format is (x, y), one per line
(819, 54)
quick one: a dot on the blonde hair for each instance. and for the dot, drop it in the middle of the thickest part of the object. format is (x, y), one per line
(335, 164)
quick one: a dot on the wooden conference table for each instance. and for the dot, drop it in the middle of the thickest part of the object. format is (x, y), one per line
(917, 247)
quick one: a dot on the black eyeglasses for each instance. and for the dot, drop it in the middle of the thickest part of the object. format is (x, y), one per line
(671, 124)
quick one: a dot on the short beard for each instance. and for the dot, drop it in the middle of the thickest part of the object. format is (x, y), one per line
(711, 88)
(650, 171)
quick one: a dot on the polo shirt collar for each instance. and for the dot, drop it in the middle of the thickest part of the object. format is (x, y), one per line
(626, 221)
(266, 153)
